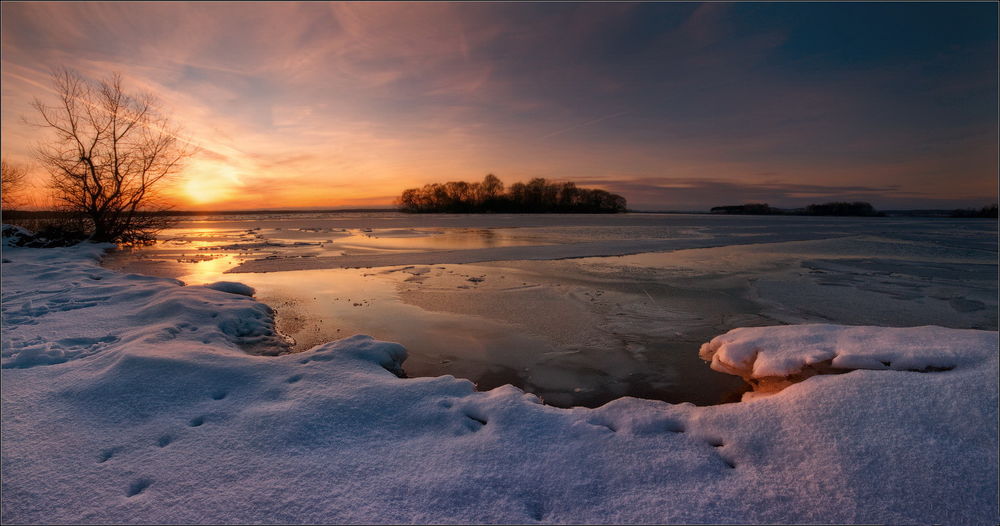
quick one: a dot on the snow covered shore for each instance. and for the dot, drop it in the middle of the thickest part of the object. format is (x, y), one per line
(130, 399)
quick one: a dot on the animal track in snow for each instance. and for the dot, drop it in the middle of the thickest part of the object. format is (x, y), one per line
(138, 487)
(473, 425)
(481, 421)
(604, 425)
(38, 351)
(106, 455)
(535, 509)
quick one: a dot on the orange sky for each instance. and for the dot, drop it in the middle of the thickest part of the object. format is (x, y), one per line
(676, 106)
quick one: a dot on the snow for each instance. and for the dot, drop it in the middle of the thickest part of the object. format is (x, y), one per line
(134, 399)
(232, 287)
(14, 235)
(761, 352)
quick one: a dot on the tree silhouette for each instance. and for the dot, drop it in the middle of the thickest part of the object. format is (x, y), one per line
(11, 183)
(109, 153)
(538, 195)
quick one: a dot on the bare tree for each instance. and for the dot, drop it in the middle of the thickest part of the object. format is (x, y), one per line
(491, 189)
(109, 154)
(11, 183)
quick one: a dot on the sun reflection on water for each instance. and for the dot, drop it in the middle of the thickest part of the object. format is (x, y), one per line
(210, 270)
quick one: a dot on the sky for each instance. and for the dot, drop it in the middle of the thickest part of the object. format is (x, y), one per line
(676, 106)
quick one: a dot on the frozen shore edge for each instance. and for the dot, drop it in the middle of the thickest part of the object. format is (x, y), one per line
(128, 398)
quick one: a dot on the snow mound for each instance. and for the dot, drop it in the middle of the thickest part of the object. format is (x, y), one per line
(388, 355)
(51, 236)
(232, 287)
(783, 351)
(14, 236)
(59, 306)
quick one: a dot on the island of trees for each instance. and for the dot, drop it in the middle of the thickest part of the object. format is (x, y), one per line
(838, 208)
(536, 196)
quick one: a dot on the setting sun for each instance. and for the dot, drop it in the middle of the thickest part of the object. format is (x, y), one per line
(358, 101)
(212, 183)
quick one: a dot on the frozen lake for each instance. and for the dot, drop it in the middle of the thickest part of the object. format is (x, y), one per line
(583, 309)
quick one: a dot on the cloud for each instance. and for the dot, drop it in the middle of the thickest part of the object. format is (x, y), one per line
(351, 101)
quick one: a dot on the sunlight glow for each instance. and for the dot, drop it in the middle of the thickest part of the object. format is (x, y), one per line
(210, 182)
(341, 105)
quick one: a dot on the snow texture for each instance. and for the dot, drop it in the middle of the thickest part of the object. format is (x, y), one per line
(130, 399)
(14, 235)
(761, 352)
(232, 287)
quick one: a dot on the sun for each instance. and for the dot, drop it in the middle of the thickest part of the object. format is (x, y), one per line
(200, 191)
(210, 183)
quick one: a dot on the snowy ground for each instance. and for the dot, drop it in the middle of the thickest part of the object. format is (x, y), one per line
(132, 399)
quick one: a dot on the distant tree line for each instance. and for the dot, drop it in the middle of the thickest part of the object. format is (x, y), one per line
(837, 208)
(986, 211)
(537, 195)
(747, 209)
(841, 208)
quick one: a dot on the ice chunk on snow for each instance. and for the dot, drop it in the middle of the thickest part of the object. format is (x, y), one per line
(761, 352)
(232, 287)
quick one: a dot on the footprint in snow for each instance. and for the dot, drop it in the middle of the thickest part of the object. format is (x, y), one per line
(138, 487)
(106, 455)
(473, 422)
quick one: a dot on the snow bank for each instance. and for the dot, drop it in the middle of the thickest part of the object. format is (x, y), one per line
(14, 235)
(130, 399)
(773, 352)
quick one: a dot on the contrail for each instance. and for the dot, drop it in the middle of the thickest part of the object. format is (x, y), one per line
(189, 140)
(588, 123)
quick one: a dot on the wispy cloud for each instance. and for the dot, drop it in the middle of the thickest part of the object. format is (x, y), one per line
(317, 104)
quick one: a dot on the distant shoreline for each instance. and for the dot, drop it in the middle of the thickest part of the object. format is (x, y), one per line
(43, 214)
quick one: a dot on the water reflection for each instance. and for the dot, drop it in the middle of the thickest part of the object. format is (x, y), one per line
(209, 270)
(492, 326)
(575, 367)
